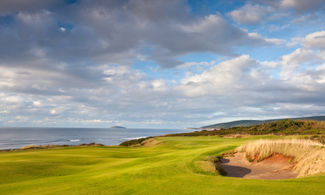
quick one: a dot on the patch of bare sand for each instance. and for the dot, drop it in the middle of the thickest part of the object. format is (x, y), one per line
(274, 167)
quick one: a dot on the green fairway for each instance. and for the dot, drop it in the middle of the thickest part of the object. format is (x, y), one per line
(167, 168)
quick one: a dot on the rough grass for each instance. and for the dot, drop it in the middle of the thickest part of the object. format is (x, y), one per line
(309, 155)
(167, 168)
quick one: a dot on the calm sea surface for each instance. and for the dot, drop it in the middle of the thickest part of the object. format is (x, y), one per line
(18, 137)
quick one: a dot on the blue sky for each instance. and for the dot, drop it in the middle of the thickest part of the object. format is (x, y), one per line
(159, 64)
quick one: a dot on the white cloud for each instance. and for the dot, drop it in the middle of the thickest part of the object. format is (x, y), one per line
(272, 41)
(220, 78)
(13, 99)
(53, 111)
(62, 29)
(250, 14)
(270, 64)
(315, 40)
(303, 69)
(159, 85)
(37, 103)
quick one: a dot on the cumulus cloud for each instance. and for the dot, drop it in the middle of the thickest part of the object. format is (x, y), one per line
(315, 40)
(297, 59)
(250, 14)
(270, 41)
(261, 11)
(220, 78)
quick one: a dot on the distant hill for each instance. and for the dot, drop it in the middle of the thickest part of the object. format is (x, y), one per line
(117, 127)
(307, 127)
(241, 123)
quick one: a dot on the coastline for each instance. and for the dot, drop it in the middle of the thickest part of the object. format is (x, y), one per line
(16, 138)
(93, 144)
(39, 147)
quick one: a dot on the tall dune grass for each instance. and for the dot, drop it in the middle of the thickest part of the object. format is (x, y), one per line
(308, 155)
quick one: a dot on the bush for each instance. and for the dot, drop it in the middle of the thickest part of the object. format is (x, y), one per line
(134, 142)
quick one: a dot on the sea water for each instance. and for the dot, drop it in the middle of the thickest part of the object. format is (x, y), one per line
(11, 138)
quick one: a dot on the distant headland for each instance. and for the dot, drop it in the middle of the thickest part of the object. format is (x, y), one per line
(117, 127)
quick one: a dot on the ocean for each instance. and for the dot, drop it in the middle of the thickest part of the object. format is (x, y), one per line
(11, 138)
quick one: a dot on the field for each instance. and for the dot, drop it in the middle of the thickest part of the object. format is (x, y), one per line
(167, 168)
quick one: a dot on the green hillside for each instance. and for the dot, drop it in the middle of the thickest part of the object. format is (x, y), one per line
(256, 122)
(311, 128)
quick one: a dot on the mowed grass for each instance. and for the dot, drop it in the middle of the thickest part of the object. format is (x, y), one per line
(168, 168)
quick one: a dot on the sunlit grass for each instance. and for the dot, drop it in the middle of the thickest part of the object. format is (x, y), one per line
(167, 168)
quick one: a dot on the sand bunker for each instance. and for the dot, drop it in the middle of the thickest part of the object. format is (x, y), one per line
(274, 167)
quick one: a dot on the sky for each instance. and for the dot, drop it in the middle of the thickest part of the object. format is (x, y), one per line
(158, 63)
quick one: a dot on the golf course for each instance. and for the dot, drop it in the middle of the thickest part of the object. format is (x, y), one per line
(167, 165)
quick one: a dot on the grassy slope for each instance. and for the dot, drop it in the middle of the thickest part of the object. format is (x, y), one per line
(257, 122)
(164, 169)
(316, 129)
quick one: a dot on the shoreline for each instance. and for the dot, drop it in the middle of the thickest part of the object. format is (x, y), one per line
(39, 147)
(21, 137)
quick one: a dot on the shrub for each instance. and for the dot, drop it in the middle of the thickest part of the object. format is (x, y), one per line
(134, 142)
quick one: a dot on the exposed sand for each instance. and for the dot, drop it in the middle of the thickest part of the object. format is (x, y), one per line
(275, 167)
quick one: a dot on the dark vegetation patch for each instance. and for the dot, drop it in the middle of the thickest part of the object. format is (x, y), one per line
(134, 142)
(280, 127)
